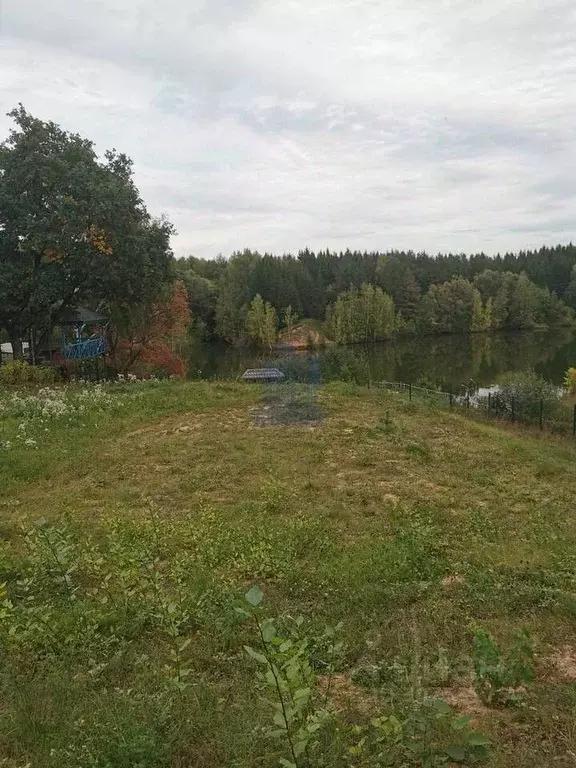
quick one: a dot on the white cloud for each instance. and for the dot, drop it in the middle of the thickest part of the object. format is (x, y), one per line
(277, 124)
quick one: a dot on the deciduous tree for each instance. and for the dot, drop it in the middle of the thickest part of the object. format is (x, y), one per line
(262, 322)
(72, 228)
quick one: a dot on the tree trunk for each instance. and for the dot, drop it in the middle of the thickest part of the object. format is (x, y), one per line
(17, 350)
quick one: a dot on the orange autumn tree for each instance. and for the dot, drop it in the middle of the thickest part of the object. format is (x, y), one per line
(148, 339)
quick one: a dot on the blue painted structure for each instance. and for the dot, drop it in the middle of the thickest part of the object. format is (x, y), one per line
(84, 350)
(79, 319)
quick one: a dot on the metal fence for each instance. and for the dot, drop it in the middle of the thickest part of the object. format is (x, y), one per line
(558, 417)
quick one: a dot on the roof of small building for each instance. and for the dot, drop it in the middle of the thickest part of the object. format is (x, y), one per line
(258, 374)
(75, 315)
(6, 347)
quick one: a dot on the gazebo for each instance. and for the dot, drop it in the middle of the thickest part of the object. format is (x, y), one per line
(87, 338)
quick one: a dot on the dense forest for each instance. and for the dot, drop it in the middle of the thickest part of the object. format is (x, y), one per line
(370, 296)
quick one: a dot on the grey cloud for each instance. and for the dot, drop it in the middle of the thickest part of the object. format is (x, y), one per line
(277, 124)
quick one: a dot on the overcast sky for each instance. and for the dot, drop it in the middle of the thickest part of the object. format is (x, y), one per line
(280, 124)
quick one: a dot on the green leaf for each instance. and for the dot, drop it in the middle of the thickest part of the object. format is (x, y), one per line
(477, 739)
(279, 720)
(254, 596)
(479, 753)
(287, 764)
(268, 632)
(300, 746)
(456, 753)
(441, 706)
(255, 655)
(461, 722)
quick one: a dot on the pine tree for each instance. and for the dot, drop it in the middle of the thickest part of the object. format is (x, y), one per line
(570, 295)
(407, 296)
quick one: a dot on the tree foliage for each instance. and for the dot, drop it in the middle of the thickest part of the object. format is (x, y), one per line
(147, 337)
(73, 229)
(362, 315)
(262, 322)
(442, 294)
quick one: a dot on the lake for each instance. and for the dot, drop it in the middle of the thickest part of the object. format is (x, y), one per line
(439, 361)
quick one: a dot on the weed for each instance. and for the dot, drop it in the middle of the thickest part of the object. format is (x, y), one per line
(429, 736)
(498, 676)
(419, 451)
(289, 674)
(386, 424)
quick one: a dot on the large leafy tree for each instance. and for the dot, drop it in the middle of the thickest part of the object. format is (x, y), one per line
(361, 315)
(72, 229)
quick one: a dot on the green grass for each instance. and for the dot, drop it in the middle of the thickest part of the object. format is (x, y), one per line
(411, 526)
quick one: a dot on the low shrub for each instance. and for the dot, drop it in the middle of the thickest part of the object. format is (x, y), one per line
(522, 393)
(570, 380)
(19, 373)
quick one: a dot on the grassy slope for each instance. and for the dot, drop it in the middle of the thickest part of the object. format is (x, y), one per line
(409, 535)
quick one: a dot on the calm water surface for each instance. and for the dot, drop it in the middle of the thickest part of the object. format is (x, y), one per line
(445, 361)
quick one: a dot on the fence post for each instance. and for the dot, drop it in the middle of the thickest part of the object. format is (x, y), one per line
(541, 411)
(512, 408)
(468, 400)
(574, 422)
(489, 401)
(450, 398)
(410, 391)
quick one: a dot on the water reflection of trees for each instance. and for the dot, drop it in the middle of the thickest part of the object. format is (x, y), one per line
(442, 361)
(451, 361)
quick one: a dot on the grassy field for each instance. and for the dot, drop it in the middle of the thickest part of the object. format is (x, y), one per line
(133, 523)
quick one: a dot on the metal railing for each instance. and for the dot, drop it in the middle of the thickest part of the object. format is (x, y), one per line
(84, 350)
(559, 418)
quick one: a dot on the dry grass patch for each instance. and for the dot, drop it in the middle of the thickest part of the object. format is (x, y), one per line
(345, 696)
(563, 661)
